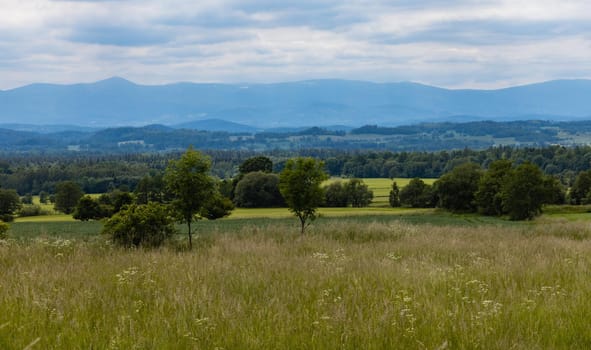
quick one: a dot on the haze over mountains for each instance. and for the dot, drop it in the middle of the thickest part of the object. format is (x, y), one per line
(118, 102)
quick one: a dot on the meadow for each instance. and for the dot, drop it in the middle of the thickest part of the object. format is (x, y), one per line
(418, 280)
(369, 278)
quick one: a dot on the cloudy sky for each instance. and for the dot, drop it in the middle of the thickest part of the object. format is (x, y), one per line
(455, 43)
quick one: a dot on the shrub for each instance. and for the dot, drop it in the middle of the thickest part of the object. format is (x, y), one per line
(146, 225)
(31, 210)
(3, 230)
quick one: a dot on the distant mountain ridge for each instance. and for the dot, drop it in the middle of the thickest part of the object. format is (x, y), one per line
(119, 102)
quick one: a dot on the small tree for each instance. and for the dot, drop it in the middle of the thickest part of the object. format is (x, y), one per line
(188, 180)
(335, 195)
(456, 190)
(489, 197)
(258, 190)
(358, 193)
(67, 195)
(300, 184)
(145, 225)
(217, 207)
(89, 209)
(417, 194)
(259, 163)
(524, 192)
(394, 197)
(10, 202)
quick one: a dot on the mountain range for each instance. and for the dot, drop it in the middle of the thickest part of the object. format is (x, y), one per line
(250, 107)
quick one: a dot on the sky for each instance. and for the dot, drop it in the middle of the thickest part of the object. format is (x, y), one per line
(485, 44)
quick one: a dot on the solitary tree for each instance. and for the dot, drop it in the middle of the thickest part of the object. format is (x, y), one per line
(188, 180)
(299, 184)
(394, 196)
(67, 195)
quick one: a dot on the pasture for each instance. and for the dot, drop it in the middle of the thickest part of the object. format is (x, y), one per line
(371, 282)
(370, 278)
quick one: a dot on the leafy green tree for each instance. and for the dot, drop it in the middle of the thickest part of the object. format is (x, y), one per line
(217, 208)
(580, 191)
(189, 181)
(259, 163)
(67, 195)
(417, 194)
(10, 202)
(555, 192)
(89, 208)
(524, 192)
(456, 190)
(489, 197)
(394, 197)
(358, 193)
(300, 184)
(335, 195)
(258, 190)
(145, 225)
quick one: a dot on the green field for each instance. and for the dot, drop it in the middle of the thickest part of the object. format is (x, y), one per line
(414, 280)
(369, 278)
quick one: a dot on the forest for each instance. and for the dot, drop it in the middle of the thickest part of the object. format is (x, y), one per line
(31, 173)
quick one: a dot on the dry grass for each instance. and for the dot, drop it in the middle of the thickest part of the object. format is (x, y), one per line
(344, 285)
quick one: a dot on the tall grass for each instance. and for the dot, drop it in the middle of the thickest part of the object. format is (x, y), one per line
(345, 285)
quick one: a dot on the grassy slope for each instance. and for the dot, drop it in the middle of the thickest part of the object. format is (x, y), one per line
(350, 284)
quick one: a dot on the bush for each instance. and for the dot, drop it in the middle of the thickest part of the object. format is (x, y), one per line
(31, 210)
(145, 225)
(3, 230)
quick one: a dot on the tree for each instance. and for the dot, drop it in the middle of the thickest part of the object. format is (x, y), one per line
(146, 225)
(258, 190)
(581, 188)
(43, 197)
(394, 197)
(335, 195)
(67, 195)
(299, 183)
(217, 207)
(90, 209)
(358, 194)
(10, 202)
(489, 198)
(456, 190)
(524, 193)
(417, 194)
(188, 180)
(259, 163)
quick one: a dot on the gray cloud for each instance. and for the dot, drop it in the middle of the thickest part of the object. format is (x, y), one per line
(456, 43)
